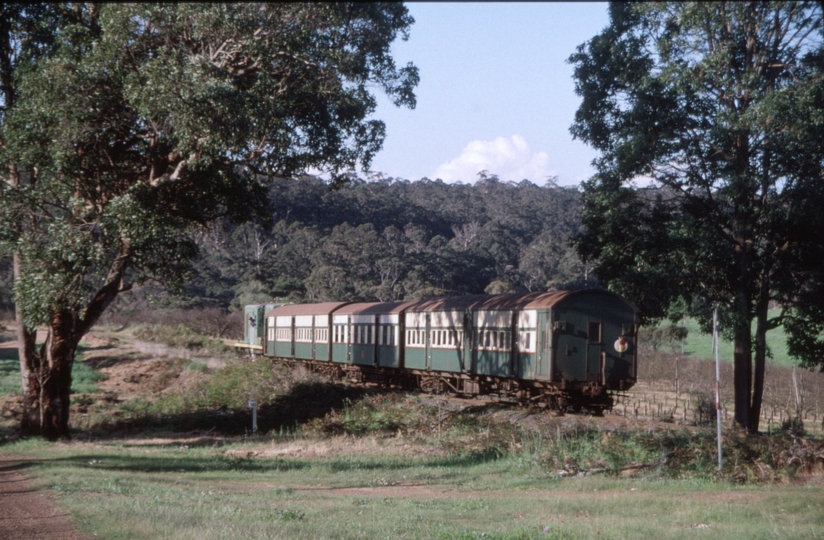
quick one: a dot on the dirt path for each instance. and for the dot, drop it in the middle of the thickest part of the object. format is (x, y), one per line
(27, 513)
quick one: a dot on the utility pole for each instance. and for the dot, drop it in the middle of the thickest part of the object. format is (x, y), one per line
(717, 381)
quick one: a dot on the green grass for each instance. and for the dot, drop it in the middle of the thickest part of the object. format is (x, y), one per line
(201, 492)
(699, 345)
(9, 371)
(84, 378)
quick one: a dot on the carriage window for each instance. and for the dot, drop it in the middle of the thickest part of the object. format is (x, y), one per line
(628, 330)
(284, 334)
(594, 333)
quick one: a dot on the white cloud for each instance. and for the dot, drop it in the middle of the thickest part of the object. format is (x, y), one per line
(509, 158)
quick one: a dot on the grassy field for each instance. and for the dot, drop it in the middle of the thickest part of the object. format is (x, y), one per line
(699, 345)
(159, 452)
(84, 378)
(270, 488)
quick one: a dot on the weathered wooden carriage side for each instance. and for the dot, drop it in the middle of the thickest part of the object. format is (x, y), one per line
(300, 331)
(368, 334)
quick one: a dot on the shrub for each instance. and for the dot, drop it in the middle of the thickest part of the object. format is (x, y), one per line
(181, 336)
(794, 426)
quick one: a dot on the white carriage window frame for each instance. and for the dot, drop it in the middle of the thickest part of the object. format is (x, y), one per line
(340, 333)
(283, 334)
(364, 334)
(526, 341)
(445, 338)
(386, 335)
(494, 340)
(303, 335)
(416, 337)
(321, 335)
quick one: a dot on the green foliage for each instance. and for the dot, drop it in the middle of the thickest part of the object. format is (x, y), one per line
(181, 336)
(172, 127)
(377, 414)
(669, 336)
(389, 239)
(127, 127)
(794, 426)
(718, 105)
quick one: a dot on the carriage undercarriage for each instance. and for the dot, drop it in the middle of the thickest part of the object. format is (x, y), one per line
(559, 396)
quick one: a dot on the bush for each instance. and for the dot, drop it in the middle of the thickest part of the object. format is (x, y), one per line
(705, 412)
(181, 336)
(794, 426)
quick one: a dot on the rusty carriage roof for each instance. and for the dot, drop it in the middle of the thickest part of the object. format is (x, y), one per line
(476, 302)
(324, 308)
(376, 308)
(504, 302)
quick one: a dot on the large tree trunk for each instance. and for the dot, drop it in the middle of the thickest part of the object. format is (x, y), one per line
(30, 419)
(742, 374)
(742, 349)
(47, 382)
(47, 374)
(762, 326)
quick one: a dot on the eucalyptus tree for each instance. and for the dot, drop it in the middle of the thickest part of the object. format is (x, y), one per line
(144, 122)
(719, 109)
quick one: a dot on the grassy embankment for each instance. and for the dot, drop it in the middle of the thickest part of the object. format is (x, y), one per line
(343, 462)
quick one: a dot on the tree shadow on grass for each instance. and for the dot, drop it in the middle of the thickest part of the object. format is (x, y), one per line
(283, 415)
(184, 462)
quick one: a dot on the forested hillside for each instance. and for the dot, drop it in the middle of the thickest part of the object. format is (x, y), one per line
(383, 240)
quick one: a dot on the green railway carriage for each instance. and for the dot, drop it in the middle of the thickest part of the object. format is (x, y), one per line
(300, 331)
(568, 348)
(368, 334)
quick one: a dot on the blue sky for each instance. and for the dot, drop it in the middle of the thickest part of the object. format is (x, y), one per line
(495, 94)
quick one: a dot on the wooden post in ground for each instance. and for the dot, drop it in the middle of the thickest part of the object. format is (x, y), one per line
(717, 382)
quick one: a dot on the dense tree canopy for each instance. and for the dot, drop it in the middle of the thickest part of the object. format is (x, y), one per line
(125, 126)
(719, 107)
(387, 239)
